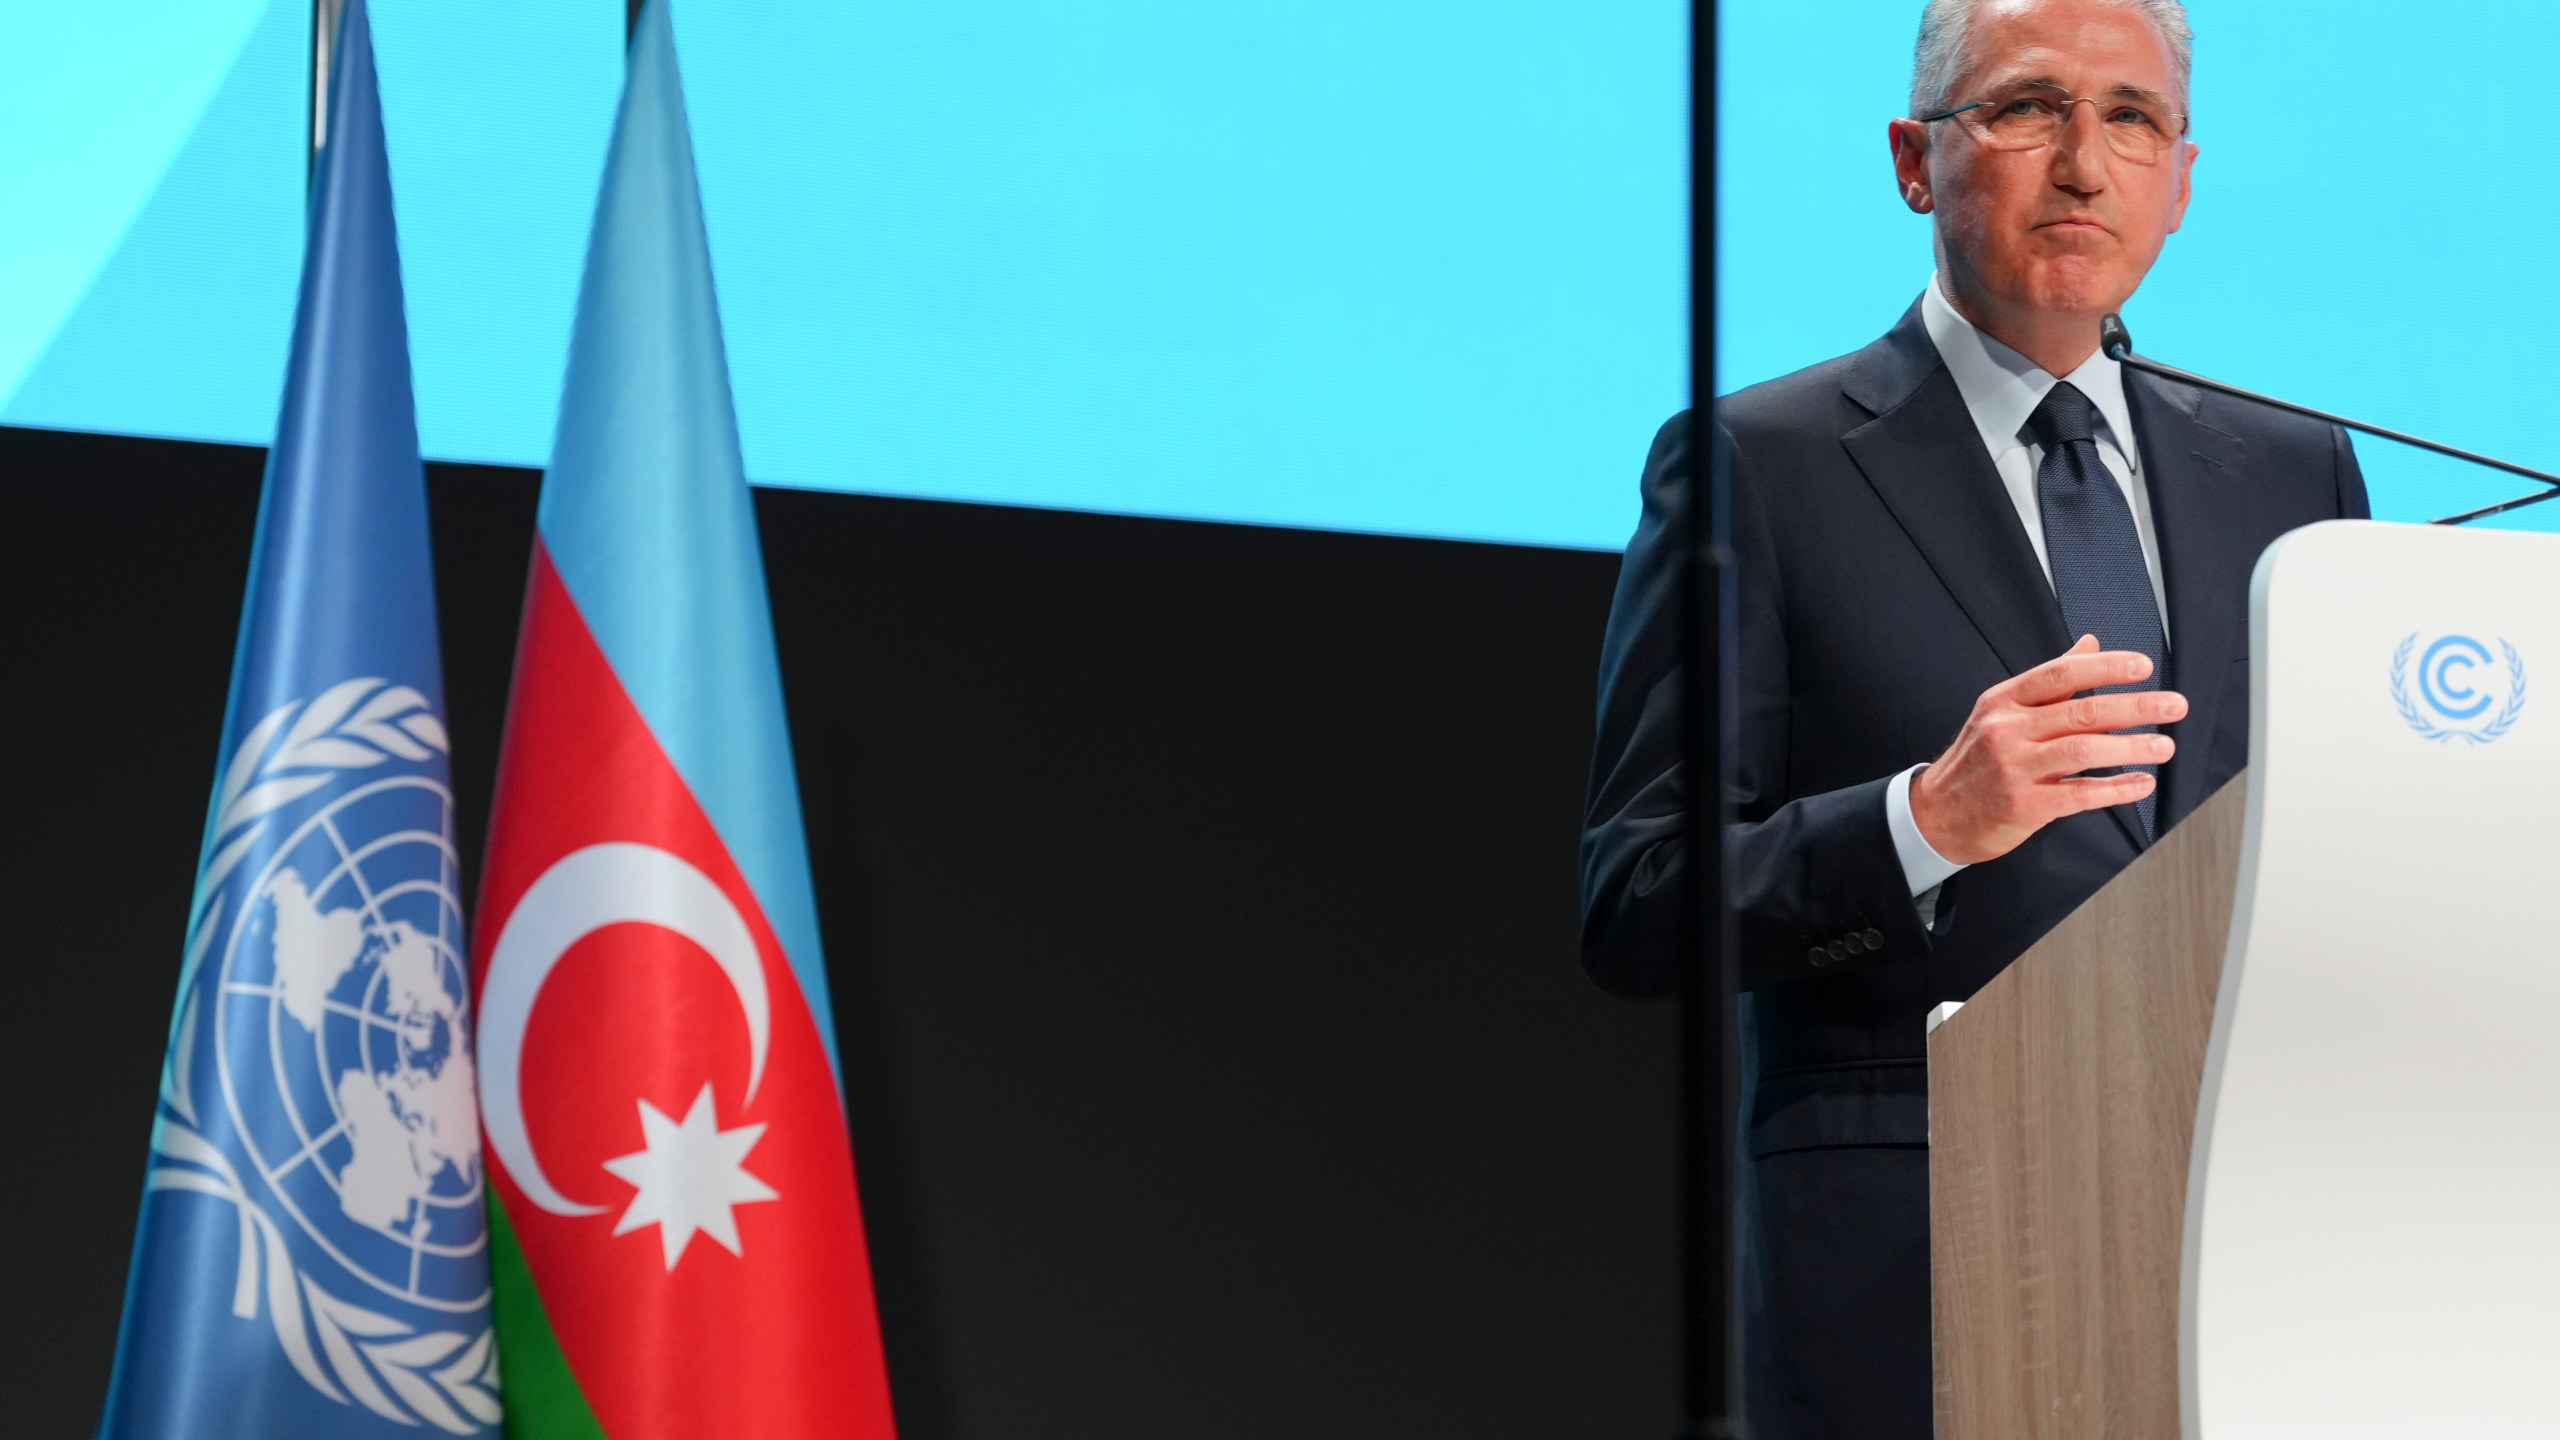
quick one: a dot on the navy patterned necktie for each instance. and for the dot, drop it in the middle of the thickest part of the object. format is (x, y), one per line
(2093, 548)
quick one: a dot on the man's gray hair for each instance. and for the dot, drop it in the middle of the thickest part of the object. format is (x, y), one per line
(1939, 60)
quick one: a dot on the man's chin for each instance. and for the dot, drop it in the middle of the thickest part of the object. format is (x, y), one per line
(2075, 285)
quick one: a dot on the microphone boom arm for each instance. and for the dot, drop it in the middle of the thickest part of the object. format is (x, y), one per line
(2119, 347)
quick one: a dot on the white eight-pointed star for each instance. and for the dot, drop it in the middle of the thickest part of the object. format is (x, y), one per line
(690, 1176)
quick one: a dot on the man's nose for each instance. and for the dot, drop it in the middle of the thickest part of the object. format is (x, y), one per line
(2080, 151)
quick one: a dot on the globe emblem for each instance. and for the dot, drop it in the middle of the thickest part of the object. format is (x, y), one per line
(343, 1042)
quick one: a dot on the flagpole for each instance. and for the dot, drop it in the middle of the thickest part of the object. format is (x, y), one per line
(324, 37)
(1710, 1050)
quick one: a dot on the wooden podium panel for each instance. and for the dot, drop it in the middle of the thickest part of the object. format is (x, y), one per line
(2062, 1105)
(2260, 1141)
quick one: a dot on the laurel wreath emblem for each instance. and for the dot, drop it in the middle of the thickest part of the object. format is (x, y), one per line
(2498, 725)
(446, 1378)
(353, 725)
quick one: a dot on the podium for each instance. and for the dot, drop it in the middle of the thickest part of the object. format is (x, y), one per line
(2264, 1140)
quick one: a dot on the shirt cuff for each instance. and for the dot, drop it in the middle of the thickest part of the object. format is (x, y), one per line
(1923, 869)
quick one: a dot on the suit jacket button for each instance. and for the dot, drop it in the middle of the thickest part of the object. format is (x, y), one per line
(1837, 950)
(1817, 956)
(1875, 938)
(1856, 942)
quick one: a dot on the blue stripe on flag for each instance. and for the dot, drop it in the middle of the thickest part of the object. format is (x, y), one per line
(646, 514)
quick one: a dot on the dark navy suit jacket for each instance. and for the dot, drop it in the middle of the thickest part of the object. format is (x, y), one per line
(1884, 582)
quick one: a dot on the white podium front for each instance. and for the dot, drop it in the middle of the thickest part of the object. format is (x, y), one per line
(2372, 1237)
(2263, 1141)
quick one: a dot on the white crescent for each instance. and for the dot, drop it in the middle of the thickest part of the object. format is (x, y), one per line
(584, 891)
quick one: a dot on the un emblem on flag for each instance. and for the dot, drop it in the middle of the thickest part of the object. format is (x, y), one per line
(344, 984)
(327, 1000)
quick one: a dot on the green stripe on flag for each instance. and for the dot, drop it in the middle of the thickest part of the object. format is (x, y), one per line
(540, 1391)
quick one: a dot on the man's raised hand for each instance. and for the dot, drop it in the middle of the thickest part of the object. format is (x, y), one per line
(2017, 765)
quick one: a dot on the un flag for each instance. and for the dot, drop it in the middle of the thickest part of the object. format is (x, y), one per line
(312, 1257)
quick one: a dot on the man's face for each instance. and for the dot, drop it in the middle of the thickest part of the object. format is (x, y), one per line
(2068, 228)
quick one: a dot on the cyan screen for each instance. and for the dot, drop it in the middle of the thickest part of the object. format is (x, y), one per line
(1412, 266)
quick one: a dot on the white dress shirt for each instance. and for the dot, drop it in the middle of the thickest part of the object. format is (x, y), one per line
(2001, 388)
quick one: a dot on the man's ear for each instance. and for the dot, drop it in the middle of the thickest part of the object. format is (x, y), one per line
(1910, 142)
(2186, 186)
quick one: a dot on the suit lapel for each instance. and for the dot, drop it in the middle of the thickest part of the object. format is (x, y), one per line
(1925, 460)
(2194, 473)
(1924, 457)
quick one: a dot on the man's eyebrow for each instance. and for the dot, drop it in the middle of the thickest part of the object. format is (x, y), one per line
(2048, 82)
(2137, 92)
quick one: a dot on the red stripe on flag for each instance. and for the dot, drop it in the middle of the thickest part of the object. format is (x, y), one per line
(780, 1339)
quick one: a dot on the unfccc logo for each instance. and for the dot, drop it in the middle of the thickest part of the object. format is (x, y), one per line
(2452, 688)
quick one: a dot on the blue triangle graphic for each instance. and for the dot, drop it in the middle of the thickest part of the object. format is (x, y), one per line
(183, 331)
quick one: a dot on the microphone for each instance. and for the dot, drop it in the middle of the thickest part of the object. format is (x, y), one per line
(2118, 347)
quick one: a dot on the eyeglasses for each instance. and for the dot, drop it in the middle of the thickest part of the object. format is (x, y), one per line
(2137, 129)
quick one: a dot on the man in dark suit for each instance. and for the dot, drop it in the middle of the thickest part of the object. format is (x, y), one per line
(1968, 556)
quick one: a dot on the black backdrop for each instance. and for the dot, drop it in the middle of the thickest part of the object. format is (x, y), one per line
(1200, 913)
